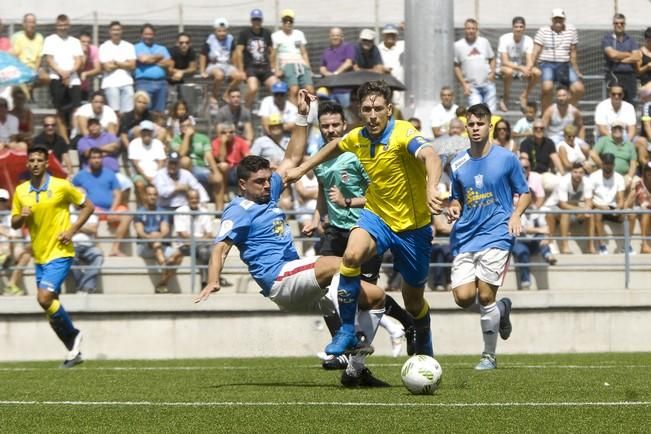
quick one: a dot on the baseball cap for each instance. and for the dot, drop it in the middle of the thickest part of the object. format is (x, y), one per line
(617, 124)
(287, 13)
(323, 93)
(390, 28)
(173, 156)
(256, 14)
(147, 125)
(279, 87)
(220, 22)
(275, 119)
(367, 34)
(4, 194)
(558, 13)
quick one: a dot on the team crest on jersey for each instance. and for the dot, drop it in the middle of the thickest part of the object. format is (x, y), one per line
(385, 147)
(278, 227)
(479, 181)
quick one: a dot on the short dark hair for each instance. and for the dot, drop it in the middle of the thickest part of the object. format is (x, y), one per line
(147, 26)
(607, 158)
(480, 110)
(532, 104)
(647, 33)
(97, 93)
(182, 34)
(577, 165)
(331, 108)
(93, 121)
(114, 23)
(518, 19)
(92, 151)
(86, 33)
(562, 87)
(412, 119)
(251, 164)
(62, 17)
(38, 149)
(619, 16)
(375, 87)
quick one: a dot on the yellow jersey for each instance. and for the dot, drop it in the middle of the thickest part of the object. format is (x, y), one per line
(50, 216)
(28, 51)
(398, 189)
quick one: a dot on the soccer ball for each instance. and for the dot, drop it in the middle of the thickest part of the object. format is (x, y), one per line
(421, 375)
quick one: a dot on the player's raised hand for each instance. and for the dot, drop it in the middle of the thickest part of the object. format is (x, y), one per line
(305, 98)
(206, 291)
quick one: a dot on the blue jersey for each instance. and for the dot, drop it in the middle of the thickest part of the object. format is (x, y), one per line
(485, 188)
(261, 233)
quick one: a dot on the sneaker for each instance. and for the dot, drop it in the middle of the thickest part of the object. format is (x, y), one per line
(410, 337)
(341, 342)
(550, 259)
(486, 363)
(525, 284)
(505, 319)
(603, 250)
(631, 250)
(365, 379)
(70, 363)
(333, 363)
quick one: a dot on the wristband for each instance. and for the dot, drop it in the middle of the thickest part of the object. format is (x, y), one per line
(301, 120)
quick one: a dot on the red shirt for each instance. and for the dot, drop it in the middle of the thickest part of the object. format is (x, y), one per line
(234, 153)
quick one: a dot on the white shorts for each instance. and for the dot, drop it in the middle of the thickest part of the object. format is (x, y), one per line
(489, 266)
(296, 288)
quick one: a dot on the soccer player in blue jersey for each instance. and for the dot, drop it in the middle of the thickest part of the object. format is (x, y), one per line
(43, 204)
(404, 172)
(485, 179)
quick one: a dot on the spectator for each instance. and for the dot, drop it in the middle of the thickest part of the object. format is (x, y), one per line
(228, 149)
(27, 46)
(639, 198)
(152, 62)
(5, 42)
(572, 149)
(88, 258)
(179, 111)
(573, 192)
(618, 49)
(367, 54)
(253, 49)
(273, 144)
(238, 115)
(643, 69)
(534, 181)
(474, 66)
(64, 56)
(502, 136)
(608, 195)
(54, 142)
(524, 126)
(130, 121)
(561, 114)
(23, 114)
(90, 64)
(9, 253)
(337, 58)
(97, 109)
(277, 104)
(541, 152)
(393, 52)
(441, 252)
(147, 156)
(152, 228)
(623, 150)
(8, 126)
(515, 60)
(555, 49)
(105, 192)
(118, 59)
(305, 192)
(196, 153)
(173, 184)
(197, 227)
(184, 60)
(216, 58)
(443, 112)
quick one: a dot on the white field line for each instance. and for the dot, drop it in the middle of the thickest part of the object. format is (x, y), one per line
(327, 404)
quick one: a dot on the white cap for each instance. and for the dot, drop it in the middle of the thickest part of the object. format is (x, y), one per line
(367, 34)
(558, 13)
(220, 22)
(4, 194)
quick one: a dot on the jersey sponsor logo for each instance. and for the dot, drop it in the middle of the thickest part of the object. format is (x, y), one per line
(459, 162)
(479, 181)
(475, 199)
(246, 204)
(225, 227)
(278, 227)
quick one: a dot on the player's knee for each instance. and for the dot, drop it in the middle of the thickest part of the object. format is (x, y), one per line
(486, 299)
(462, 297)
(44, 298)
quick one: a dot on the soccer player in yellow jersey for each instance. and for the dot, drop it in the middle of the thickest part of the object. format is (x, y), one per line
(43, 203)
(404, 171)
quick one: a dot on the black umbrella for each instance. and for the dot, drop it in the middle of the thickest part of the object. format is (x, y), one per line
(357, 78)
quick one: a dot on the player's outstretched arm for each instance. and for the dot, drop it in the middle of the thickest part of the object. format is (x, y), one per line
(329, 151)
(433, 168)
(296, 147)
(219, 253)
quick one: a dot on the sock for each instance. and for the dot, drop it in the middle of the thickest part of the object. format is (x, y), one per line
(61, 323)
(490, 324)
(368, 322)
(424, 339)
(394, 310)
(347, 295)
(356, 364)
(391, 327)
(423, 316)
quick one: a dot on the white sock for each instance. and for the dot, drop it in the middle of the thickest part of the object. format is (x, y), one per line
(368, 322)
(490, 324)
(391, 326)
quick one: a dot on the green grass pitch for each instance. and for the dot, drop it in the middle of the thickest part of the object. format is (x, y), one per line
(584, 393)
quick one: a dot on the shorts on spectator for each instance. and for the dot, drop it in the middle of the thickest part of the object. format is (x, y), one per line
(125, 182)
(489, 266)
(120, 98)
(296, 74)
(226, 68)
(101, 214)
(64, 98)
(145, 251)
(296, 288)
(550, 72)
(262, 73)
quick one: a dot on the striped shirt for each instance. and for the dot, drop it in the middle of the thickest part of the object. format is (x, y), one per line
(556, 46)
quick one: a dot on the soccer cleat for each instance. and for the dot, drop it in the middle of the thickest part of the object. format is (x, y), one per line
(333, 363)
(364, 379)
(603, 250)
(410, 337)
(486, 363)
(70, 363)
(341, 343)
(505, 319)
(74, 346)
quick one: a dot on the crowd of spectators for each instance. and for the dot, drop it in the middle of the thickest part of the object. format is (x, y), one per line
(138, 142)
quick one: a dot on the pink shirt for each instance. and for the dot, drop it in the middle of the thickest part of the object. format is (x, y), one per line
(536, 185)
(93, 56)
(5, 43)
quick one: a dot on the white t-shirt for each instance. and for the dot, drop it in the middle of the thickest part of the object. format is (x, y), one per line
(64, 52)
(605, 190)
(523, 126)
(473, 59)
(147, 156)
(121, 52)
(574, 152)
(393, 58)
(441, 117)
(202, 223)
(81, 238)
(8, 129)
(516, 51)
(606, 115)
(268, 108)
(288, 47)
(108, 115)
(565, 191)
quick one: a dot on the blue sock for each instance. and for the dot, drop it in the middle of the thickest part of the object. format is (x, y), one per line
(347, 295)
(62, 324)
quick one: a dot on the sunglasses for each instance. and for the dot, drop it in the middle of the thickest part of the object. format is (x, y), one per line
(616, 94)
(619, 23)
(538, 128)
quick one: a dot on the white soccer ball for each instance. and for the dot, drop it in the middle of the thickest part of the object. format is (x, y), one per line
(421, 375)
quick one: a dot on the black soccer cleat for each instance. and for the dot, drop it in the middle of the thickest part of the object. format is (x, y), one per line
(333, 363)
(365, 379)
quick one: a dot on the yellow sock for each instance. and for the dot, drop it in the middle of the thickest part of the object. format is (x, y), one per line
(54, 307)
(423, 311)
(349, 271)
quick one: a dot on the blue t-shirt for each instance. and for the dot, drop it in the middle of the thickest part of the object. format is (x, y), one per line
(149, 71)
(261, 233)
(99, 186)
(151, 222)
(485, 187)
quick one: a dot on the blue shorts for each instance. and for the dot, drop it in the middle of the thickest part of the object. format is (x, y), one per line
(550, 72)
(411, 249)
(50, 276)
